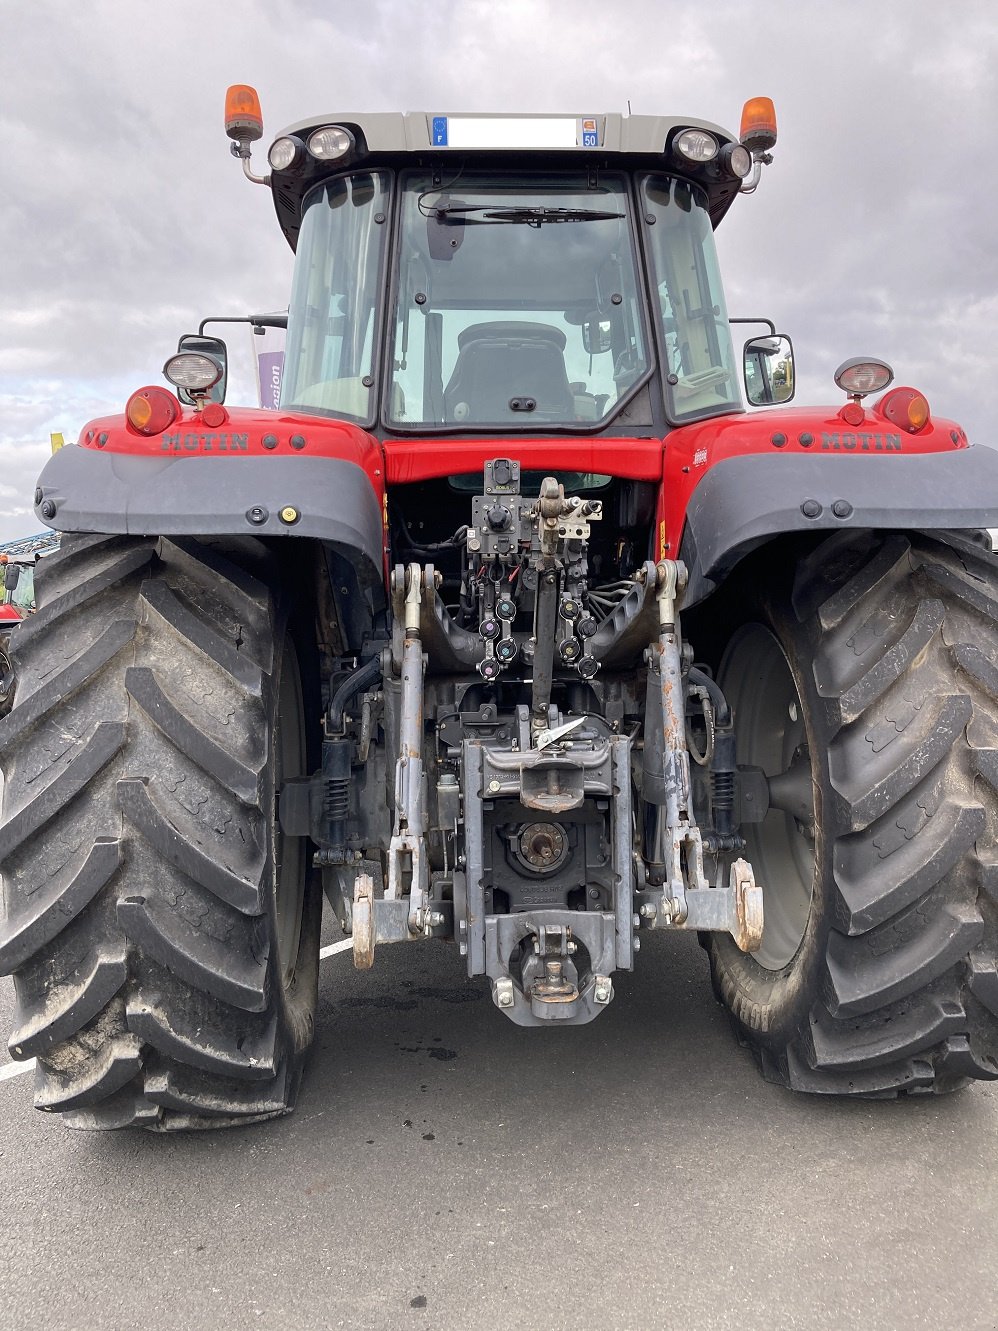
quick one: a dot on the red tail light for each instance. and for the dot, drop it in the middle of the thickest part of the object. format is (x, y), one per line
(906, 408)
(151, 410)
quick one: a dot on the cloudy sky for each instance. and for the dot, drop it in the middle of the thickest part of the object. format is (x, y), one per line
(123, 220)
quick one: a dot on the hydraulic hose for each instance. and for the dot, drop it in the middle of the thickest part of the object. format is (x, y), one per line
(722, 712)
(351, 686)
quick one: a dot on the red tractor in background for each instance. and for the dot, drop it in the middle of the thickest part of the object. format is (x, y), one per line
(17, 559)
(511, 628)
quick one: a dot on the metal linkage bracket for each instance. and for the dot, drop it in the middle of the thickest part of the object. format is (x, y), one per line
(687, 901)
(382, 920)
(407, 848)
(736, 909)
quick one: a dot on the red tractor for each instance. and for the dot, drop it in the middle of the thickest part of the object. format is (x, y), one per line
(512, 628)
(17, 562)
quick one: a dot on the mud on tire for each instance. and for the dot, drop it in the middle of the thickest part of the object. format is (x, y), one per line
(162, 935)
(892, 643)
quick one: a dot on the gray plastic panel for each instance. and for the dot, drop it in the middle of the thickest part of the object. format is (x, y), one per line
(206, 496)
(742, 502)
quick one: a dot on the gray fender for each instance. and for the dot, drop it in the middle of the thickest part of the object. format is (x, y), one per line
(743, 502)
(209, 496)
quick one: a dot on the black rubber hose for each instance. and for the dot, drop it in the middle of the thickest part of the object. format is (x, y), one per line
(350, 687)
(722, 712)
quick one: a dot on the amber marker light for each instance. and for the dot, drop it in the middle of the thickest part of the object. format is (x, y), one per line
(906, 408)
(758, 128)
(151, 410)
(243, 115)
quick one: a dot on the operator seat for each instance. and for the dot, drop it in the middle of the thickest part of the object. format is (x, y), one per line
(497, 362)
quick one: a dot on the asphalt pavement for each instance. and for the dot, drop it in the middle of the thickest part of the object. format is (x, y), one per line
(446, 1169)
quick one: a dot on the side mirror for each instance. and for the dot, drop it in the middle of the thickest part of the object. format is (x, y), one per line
(768, 369)
(597, 335)
(215, 349)
(11, 576)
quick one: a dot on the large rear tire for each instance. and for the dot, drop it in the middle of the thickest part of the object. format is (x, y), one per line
(875, 671)
(162, 934)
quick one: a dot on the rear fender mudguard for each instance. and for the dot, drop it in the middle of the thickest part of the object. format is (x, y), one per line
(333, 492)
(742, 502)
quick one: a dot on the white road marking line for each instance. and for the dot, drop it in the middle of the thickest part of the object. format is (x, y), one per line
(10, 1070)
(345, 946)
(16, 1069)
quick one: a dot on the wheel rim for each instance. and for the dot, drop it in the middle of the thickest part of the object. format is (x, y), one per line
(769, 723)
(289, 852)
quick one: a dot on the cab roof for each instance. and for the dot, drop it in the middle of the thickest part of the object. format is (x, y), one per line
(424, 138)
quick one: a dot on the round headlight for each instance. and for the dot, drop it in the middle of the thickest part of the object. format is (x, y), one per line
(284, 153)
(863, 375)
(697, 145)
(330, 143)
(737, 160)
(192, 371)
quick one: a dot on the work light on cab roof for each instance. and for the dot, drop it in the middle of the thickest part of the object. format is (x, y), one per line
(694, 146)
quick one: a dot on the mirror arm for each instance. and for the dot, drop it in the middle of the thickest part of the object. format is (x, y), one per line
(768, 322)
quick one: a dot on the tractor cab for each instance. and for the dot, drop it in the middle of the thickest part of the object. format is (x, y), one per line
(516, 274)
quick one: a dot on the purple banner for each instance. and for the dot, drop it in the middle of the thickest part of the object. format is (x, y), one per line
(270, 366)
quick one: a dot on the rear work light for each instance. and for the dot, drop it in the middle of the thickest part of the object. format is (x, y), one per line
(151, 410)
(285, 153)
(192, 371)
(862, 375)
(906, 408)
(330, 143)
(696, 145)
(736, 160)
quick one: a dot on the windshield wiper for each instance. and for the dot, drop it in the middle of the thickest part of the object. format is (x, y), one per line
(513, 214)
